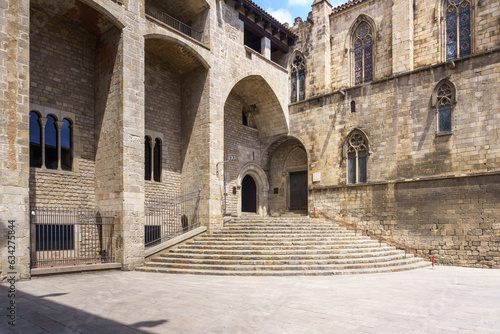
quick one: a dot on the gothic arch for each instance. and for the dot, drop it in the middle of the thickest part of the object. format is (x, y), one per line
(443, 100)
(298, 71)
(440, 19)
(260, 178)
(361, 20)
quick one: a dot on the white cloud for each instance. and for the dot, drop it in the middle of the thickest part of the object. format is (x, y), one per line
(299, 2)
(281, 14)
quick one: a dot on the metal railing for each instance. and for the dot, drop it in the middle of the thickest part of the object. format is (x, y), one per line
(170, 215)
(65, 236)
(161, 16)
(373, 235)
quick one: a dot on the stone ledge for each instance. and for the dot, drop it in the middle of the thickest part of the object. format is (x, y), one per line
(172, 242)
(74, 269)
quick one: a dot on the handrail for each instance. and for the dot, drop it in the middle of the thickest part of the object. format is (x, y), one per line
(375, 235)
(163, 17)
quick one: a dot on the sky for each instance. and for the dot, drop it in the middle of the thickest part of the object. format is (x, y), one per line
(287, 10)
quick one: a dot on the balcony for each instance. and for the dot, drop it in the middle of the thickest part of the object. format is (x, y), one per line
(183, 28)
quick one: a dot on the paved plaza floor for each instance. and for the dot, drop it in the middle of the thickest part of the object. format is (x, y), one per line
(439, 300)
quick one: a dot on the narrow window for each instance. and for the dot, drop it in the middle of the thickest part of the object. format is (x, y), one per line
(51, 154)
(35, 140)
(363, 54)
(244, 118)
(458, 28)
(357, 151)
(298, 80)
(157, 160)
(147, 158)
(353, 106)
(444, 103)
(66, 152)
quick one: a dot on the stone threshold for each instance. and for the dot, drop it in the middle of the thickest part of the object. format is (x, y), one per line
(74, 269)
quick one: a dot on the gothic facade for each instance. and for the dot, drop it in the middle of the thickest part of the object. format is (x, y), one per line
(382, 112)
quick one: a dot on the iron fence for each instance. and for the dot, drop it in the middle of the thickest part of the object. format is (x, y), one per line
(170, 215)
(65, 236)
(161, 16)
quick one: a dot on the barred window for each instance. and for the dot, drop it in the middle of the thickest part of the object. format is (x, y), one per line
(458, 28)
(298, 79)
(363, 54)
(357, 152)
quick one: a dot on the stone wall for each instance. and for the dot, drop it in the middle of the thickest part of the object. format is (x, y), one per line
(240, 141)
(456, 219)
(62, 58)
(163, 118)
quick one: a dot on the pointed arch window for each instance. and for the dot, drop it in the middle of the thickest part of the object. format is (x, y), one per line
(157, 161)
(66, 145)
(357, 153)
(445, 99)
(363, 53)
(298, 79)
(458, 28)
(147, 158)
(51, 141)
(35, 140)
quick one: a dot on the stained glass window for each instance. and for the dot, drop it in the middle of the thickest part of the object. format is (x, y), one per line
(298, 80)
(444, 103)
(363, 54)
(357, 152)
(458, 28)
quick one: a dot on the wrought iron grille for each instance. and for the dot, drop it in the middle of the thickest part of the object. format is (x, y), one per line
(174, 23)
(170, 215)
(64, 236)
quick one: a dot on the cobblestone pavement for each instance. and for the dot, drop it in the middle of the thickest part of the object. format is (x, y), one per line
(440, 300)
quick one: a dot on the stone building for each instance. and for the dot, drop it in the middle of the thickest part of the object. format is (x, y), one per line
(384, 112)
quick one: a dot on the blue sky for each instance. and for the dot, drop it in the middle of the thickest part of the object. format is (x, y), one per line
(287, 10)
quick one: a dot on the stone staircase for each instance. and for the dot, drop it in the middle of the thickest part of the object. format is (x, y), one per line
(274, 246)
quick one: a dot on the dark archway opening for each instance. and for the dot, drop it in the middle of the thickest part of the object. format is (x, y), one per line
(248, 195)
(298, 190)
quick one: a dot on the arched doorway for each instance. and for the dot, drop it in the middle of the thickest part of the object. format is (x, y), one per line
(248, 195)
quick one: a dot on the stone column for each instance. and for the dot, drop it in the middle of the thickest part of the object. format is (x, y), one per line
(320, 56)
(265, 45)
(43, 122)
(59, 125)
(402, 36)
(119, 122)
(14, 139)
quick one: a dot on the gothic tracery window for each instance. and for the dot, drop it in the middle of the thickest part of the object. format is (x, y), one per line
(445, 97)
(357, 152)
(458, 28)
(298, 79)
(363, 54)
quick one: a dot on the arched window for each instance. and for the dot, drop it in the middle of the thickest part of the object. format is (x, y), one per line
(458, 28)
(157, 160)
(51, 154)
(298, 79)
(35, 140)
(363, 53)
(357, 152)
(66, 145)
(445, 99)
(147, 158)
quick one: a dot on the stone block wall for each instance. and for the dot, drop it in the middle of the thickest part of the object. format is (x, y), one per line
(62, 63)
(240, 141)
(163, 117)
(455, 219)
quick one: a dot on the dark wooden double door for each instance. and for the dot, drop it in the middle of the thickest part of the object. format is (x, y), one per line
(298, 190)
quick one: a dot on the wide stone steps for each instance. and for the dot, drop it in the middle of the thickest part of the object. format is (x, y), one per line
(282, 247)
(173, 261)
